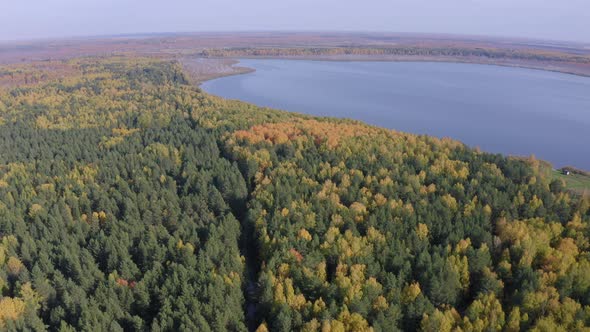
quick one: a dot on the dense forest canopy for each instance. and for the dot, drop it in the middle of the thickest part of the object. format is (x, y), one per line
(130, 200)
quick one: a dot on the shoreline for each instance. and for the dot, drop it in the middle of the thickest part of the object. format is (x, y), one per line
(231, 70)
(200, 70)
(236, 70)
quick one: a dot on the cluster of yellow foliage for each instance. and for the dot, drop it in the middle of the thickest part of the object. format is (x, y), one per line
(12, 308)
(326, 132)
(484, 314)
(546, 247)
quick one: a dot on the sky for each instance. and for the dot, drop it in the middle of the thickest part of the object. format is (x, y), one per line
(541, 19)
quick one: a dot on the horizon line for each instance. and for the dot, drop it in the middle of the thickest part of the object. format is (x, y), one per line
(140, 35)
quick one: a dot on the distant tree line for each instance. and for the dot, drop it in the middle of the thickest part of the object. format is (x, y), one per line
(416, 51)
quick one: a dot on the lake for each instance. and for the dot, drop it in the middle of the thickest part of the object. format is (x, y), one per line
(513, 111)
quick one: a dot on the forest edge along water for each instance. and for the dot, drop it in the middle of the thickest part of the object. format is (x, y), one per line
(513, 111)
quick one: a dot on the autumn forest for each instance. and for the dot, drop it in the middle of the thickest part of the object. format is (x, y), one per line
(130, 200)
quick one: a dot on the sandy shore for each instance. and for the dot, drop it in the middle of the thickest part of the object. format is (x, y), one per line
(204, 69)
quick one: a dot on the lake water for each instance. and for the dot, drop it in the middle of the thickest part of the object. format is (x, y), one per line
(499, 109)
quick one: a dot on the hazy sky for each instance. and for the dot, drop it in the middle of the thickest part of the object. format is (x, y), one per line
(546, 19)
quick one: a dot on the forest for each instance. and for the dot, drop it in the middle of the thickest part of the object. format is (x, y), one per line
(130, 200)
